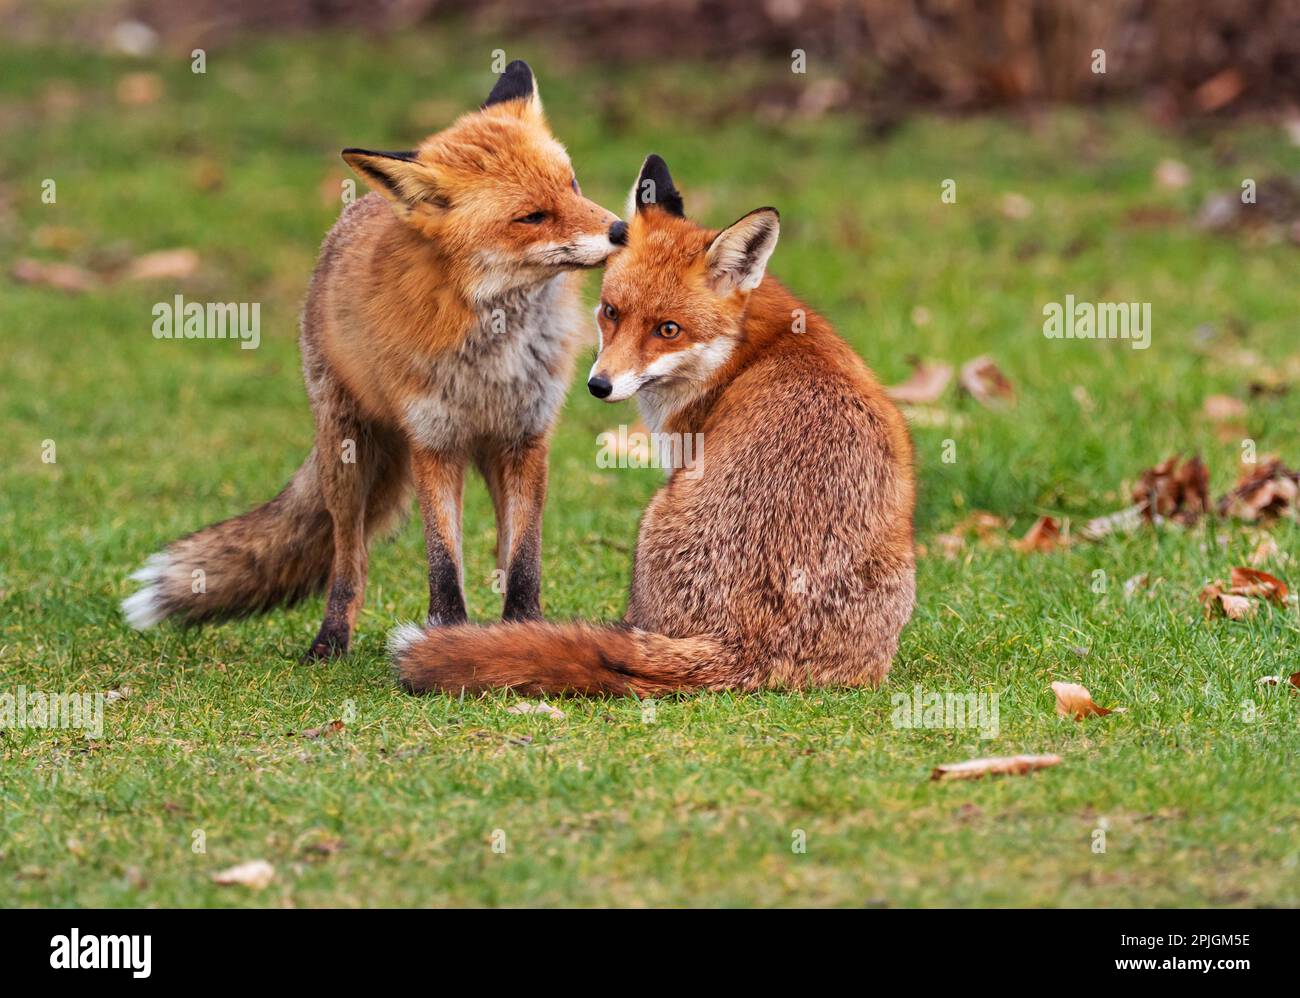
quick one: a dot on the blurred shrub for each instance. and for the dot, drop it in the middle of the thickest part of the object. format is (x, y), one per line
(1192, 55)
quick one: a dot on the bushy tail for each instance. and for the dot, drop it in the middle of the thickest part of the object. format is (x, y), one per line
(276, 554)
(537, 658)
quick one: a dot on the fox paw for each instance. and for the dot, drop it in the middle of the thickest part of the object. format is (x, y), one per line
(325, 648)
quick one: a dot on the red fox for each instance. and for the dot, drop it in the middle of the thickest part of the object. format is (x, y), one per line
(784, 557)
(440, 328)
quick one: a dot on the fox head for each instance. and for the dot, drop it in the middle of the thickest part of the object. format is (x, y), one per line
(496, 194)
(673, 302)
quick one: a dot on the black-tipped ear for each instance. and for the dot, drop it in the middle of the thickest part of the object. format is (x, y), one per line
(399, 176)
(516, 83)
(737, 257)
(654, 187)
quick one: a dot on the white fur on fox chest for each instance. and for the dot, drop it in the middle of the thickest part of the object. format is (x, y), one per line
(499, 384)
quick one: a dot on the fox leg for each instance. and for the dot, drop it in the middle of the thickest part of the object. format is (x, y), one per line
(516, 477)
(345, 462)
(439, 482)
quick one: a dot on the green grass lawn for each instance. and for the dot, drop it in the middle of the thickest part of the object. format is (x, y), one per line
(446, 802)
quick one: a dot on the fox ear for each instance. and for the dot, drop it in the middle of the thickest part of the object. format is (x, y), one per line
(738, 255)
(515, 84)
(654, 186)
(398, 176)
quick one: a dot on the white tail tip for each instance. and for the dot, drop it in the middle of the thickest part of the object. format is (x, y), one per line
(144, 609)
(401, 637)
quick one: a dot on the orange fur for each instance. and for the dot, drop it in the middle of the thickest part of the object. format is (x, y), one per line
(784, 556)
(439, 329)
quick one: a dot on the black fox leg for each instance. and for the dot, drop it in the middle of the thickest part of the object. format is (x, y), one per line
(439, 481)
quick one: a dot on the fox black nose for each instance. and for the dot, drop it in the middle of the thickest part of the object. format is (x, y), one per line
(598, 386)
(617, 236)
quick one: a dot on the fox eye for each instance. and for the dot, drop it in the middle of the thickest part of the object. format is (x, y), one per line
(668, 330)
(533, 218)
(574, 184)
(611, 313)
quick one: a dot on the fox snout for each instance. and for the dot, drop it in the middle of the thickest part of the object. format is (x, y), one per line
(611, 387)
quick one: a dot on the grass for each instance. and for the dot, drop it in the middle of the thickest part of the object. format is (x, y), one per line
(1194, 786)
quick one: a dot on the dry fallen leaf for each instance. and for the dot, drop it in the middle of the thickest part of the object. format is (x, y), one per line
(1267, 550)
(1125, 521)
(1219, 90)
(1234, 606)
(1044, 535)
(1012, 765)
(1170, 490)
(62, 276)
(536, 708)
(1265, 491)
(1074, 700)
(925, 385)
(59, 238)
(1135, 584)
(1016, 206)
(163, 265)
(1172, 174)
(257, 873)
(986, 383)
(950, 545)
(328, 729)
(138, 89)
(1224, 408)
(1253, 582)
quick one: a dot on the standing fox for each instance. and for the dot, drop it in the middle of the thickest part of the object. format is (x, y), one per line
(783, 559)
(440, 328)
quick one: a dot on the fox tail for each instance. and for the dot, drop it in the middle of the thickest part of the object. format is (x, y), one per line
(273, 555)
(541, 658)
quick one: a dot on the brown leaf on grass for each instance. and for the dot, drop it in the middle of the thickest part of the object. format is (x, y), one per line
(256, 873)
(1016, 206)
(1171, 490)
(1074, 700)
(1224, 408)
(1219, 90)
(1234, 606)
(925, 385)
(162, 265)
(1044, 535)
(138, 89)
(1172, 174)
(1135, 584)
(1125, 521)
(986, 383)
(59, 238)
(61, 276)
(981, 526)
(1012, 765)
(985, 526)
(1264, 491)
(324, 730)
(1253, 582)
(1266, 551)
(950, 545)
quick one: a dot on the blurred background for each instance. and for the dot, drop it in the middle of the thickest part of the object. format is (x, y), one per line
(943, 169)
(1182, 56)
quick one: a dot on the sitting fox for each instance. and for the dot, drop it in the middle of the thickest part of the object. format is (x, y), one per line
(785, 557)
(440, 328)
